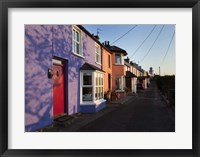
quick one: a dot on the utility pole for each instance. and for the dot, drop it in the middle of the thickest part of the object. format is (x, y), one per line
(159, 71)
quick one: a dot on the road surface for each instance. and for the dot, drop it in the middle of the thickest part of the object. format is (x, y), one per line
(146, 112)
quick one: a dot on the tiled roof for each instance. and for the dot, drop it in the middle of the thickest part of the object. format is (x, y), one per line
(88, 66)
(130, 74)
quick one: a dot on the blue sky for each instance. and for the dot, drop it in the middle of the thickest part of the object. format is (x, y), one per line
(150, 44)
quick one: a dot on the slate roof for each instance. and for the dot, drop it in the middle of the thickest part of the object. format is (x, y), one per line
(130, 74)
(93, 37)
(116, 49)
(87, 66)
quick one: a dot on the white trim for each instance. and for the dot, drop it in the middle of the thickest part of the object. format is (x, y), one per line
(122, 59)
(120, 91)
(122, 82)
(88, 103)
(78, 55)
(98, 102)
(98, 63)
(119, 64)
(74, 27)
(93, 89)
(99, 52)
(94, 74)
(57, 61)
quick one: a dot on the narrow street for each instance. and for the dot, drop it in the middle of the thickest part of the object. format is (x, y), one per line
(146, 112)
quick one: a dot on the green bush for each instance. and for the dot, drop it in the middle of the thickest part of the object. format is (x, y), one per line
(166, 84)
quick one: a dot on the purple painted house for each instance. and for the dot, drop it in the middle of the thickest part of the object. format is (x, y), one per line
(62, 73)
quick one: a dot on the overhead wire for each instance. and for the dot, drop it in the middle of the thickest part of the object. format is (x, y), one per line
(167, 48)
(124, 34)
(152, 44)
(143, 42)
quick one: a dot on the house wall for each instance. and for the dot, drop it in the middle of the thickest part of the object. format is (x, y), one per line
(134, 70)
(42, 43)
(134, 84)
(118, 70)
(106, 68)
(38, 88)
(144, 84)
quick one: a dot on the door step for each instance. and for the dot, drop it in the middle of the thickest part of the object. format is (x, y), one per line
(63, 118)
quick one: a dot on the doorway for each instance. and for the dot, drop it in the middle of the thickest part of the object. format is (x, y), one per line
(58, 87)
(109, 81)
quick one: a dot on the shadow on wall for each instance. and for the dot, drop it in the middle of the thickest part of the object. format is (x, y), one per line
(62, 47)
(42, 42)
(38, 88)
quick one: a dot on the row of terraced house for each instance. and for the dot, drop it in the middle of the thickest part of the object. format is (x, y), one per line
(68, 70)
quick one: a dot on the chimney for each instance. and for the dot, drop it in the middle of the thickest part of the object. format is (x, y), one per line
(131, 62)
(97, 37)
(127, 59)
(106, 43)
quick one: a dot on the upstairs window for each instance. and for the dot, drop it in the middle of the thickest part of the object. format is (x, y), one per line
(98, 53)
(118, 59)
(77, 48)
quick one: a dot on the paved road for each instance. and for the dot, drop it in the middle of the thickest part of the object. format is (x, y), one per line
(146, 112)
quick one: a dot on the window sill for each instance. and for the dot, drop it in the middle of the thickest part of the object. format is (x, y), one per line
(98, 63)
(87, 103)
(100, 101)
(118, 64)
(120, 91)
(96, 102)
(78, 55)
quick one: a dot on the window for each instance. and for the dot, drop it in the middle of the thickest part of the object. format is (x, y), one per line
(119, 83)
(77, 49)
(118, 58)
(98, 53)
(87, 86)
(127, 68)
(108, 61)
(98, 86)
(92, 86)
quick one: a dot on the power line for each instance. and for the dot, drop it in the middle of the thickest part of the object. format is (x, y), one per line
(152, 44)
(168, 48)
(143, 42)
(124, 34)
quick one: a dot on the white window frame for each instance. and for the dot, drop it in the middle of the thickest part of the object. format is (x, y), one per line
(89, 86)
(123, 83)
(94, 73)
(99, 86)
(121, 59)
(97, 52)
(80, 54)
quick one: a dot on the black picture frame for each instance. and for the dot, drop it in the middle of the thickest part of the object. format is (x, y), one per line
(6, 4)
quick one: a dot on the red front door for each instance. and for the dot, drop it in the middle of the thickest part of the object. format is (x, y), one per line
(58, 89)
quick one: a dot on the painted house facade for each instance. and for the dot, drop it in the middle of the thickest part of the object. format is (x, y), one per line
(118, 69)
(131, 78)
(107, 68)
(63, 73)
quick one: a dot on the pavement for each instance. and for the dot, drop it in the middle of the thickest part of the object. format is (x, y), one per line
(79, 120)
